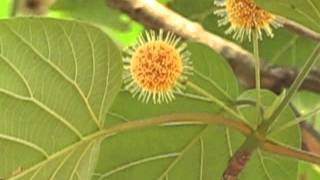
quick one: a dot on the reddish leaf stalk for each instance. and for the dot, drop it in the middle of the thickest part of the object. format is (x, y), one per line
(242, 156)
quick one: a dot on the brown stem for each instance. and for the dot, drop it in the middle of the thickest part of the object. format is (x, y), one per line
(300, 29)
(311, 138)
(277, 148)
(236, 165)
(241, 157)
(33, 7)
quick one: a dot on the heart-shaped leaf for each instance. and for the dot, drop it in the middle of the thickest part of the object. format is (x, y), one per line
(57, 80)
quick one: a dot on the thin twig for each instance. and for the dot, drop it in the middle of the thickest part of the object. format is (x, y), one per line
(283, 150)
(300, 29)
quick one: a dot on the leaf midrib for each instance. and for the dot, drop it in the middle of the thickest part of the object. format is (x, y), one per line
(108, 132)
(102, 133)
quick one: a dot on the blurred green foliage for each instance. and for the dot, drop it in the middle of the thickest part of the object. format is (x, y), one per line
(116, 24)
(309, 171)
(4, 8)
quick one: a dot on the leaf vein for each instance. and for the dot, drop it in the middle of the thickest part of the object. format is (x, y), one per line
(26, 143)
(229, 145)
(184, 150)
(93, 61)
(135, 163)
(80, 158)
(17, 71)
(105, 91)
(61, 164)
(201, 157)
(44, 108)
(265, 170)
(72, 50)
(59, 71)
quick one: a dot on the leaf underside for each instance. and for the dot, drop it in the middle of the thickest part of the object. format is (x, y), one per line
(57, 80)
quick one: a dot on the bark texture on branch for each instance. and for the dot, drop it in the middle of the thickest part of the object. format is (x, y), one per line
(31, 7)
(154, 15)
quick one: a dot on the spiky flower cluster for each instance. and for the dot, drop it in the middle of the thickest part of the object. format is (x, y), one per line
(244, 17)
(156, 67)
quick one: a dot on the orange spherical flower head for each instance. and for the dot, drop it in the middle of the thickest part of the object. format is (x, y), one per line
(244, 17)
(157, 67)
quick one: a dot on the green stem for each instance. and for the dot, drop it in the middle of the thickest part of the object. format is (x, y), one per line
(215, 100)
(266, 125)
(296, 121)
(257, 73)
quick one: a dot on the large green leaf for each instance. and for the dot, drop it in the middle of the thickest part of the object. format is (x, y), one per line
(152, 153)
(286, 49)
(186, 151)
(308, 104)
(306, 12)
(57, 81)
(306, 101)
(211, 73)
